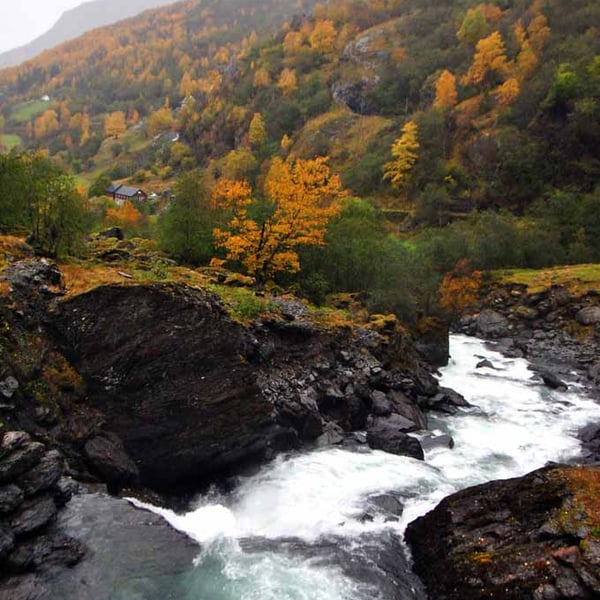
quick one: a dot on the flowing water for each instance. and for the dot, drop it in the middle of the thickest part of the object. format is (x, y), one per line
(297, 529)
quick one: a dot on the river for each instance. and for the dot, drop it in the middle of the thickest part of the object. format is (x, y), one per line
(305, 526)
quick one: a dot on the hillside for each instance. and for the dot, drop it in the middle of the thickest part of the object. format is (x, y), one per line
(471, 131)
(76, 22)
(505, 95)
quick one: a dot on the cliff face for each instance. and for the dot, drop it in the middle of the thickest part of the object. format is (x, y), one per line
(530, 538)
(158, 385)
(194, 394)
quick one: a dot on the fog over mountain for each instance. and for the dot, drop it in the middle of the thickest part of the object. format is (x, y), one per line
(77, 21)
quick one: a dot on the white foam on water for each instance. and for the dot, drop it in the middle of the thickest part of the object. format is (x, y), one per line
(518, 426)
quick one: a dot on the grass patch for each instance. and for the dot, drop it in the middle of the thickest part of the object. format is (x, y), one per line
(10, 141)
(578, 279)
(243, 304)
(24, 112)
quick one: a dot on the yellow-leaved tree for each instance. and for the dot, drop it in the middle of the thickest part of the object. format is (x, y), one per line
(445, 90)
(115, 124)
(489, 60)
(257, 133)
(301, 197)
(404, 151)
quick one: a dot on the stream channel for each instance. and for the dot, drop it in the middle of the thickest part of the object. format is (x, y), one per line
(310, 526)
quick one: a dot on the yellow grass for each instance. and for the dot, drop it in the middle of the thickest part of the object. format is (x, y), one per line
(578, 279)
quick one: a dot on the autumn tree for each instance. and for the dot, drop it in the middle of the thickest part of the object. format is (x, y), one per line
(261, 78)
(489, 60)
(287, 82)
(405, 155)
(126, 216)
(323, 36)
(445, 90)
(460, 288)
(257, 134)
(508, 92)
(161, 120)
(115, 124)
(46, 124)
(301, 198)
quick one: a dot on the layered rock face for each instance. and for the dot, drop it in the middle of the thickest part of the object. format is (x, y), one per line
(193, 394)
(531, 538)
(32, 491)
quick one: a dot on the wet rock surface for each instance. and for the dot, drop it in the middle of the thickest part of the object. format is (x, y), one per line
(212, 395)
(529, 538)
(30, 500)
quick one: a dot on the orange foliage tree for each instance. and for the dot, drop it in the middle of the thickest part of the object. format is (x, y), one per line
(445, 90)
(301, 198)
(460, 288)
(127, 216)
(490, 58)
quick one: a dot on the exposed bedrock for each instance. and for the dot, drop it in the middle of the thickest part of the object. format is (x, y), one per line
(531, 538)
(193, 394)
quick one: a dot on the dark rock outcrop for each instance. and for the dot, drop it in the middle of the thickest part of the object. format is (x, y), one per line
(529, 538)
(432, 341)
(492, 324)
(390, 436)
(108, 457)
(30, 500)
(193, 394)
(556, 331)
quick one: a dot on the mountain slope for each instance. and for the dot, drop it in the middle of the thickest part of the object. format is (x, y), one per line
(77, 21)
(504, 96)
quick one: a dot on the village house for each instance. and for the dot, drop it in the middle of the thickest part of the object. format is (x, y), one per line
(121, 193)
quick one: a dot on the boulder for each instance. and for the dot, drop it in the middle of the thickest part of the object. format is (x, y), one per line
(31, 274)
(406, 408)
(380, 405)
(389, 436)
(491, 324)
(589, 315)
(531, 537)
(177, 379)
(108, 457)
(552, 380)
(432, 341)
(20, 460)
(33, 514)
(485, 363)
(43, 475)
(332, 435)
(429, 442)
(387, 504)
(446, 401)
(111, 232)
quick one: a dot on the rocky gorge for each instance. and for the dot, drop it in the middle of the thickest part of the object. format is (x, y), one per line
(157, 386)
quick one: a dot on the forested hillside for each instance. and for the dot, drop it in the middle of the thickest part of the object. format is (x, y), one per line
(436, 114)
(503, 95)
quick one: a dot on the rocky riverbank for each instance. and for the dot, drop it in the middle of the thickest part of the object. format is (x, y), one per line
(556, 331)
(158, 386)
(531, 538)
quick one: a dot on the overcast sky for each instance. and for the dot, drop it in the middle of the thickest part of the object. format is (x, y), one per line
(24, 20)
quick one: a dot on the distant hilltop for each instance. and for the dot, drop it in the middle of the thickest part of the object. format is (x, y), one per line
(77, 21)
